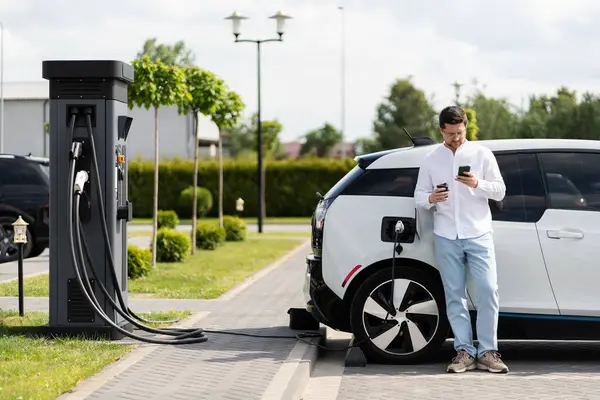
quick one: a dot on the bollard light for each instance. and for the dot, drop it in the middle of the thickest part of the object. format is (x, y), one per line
(239, 204)
(20, 230)
(20, 238)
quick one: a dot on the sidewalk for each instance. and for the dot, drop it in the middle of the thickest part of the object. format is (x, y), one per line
(226, 366)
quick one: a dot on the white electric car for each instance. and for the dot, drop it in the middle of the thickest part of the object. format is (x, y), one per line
(547, 237)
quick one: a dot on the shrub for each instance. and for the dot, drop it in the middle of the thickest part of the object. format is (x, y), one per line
(209, 236)
(235, 228)
(139, 261)
(186, 200)
(172, 246)
(167, 219)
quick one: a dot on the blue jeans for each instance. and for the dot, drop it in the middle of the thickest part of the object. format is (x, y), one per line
(477, 255)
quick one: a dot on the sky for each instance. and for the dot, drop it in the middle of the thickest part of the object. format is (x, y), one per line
(508, 48)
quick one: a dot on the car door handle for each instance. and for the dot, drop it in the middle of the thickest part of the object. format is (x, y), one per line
(565, 234)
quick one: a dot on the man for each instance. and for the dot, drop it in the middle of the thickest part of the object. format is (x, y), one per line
(463, 237)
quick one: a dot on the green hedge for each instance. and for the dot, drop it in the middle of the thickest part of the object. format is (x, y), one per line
(290, 184)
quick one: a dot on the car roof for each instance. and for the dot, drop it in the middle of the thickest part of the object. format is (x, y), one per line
(39, 160)
(407, 157)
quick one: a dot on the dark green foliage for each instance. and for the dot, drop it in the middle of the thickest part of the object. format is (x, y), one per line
(290, 185)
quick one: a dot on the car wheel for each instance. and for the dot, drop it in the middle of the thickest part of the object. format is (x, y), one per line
(417, 330)
(9, 251)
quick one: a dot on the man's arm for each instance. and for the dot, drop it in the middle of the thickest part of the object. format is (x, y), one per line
(424, 187)
(491, 184)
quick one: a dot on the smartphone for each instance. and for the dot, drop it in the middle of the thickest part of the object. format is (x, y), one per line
(443, 186)
(462, 169)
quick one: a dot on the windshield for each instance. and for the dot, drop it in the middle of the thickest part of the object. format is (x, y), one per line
(46, 170)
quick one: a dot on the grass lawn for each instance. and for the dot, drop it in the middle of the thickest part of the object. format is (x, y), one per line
(250, 234)
(205, 275)
(249, 220)
(41, 368)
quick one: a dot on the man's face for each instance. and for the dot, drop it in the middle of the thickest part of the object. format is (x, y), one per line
(454, 135)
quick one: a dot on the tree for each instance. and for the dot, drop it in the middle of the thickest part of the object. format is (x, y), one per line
(495, 117)
(204, 91)
(320, 141)
(156, 84)
(225, 115)
(404, 107)
(177, 54)
(472, 128)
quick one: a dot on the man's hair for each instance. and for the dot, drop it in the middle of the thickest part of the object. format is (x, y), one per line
(452, 115)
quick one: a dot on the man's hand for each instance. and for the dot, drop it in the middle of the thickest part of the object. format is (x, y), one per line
(438, 196)
(468, 180)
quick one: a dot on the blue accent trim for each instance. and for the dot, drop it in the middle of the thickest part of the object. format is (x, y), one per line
(549, 316)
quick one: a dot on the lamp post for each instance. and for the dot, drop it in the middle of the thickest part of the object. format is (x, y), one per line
(236, 20)
(20, 238)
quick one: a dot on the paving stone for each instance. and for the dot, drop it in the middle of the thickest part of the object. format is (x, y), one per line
(539, 370)
(226, 366)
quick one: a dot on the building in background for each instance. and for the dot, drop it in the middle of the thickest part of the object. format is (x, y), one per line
(26, 108)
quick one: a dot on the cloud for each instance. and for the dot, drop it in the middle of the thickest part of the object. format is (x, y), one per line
(512, 47)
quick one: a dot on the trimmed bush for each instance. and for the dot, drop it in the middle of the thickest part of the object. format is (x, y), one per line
(172, 246)
(186, 200)
(167, 219)
(290, 185)
(235, 228)
(139, 261)
(209, 236)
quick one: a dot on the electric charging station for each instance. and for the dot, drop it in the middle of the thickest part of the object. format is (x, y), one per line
(82, 91)
(89, 209)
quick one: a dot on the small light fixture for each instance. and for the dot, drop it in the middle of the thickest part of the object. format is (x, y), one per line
(239, 204)
(20, 230)
(236, 20)
(280, 18)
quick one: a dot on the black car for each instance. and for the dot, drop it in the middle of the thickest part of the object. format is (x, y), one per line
(24, 191)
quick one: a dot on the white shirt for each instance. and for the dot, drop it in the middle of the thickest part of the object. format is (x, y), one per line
(466, 212)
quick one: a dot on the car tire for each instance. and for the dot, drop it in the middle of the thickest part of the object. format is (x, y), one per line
(9, 251)
(416, 333)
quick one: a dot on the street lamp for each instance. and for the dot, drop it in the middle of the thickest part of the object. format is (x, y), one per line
(20, 238)
(236, 20)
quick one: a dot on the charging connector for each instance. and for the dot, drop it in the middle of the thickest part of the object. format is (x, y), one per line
(80, 180)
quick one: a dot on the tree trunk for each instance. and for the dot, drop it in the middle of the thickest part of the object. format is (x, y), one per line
(195, 202)
(220, 180)
(155, 208)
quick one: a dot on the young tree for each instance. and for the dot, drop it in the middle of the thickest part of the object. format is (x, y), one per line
(156, 84)
(226, 114)
(177, 54)
(472, 128)
(205, 91)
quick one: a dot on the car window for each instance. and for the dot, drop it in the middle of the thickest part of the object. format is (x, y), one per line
(524, 200)
(13, 172)
(398, 182)
(572, 180)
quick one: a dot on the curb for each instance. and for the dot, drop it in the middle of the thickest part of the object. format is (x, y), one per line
(89, 385)
(291, 381)
(231, 293)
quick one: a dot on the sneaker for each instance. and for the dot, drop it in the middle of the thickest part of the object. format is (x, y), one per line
(491, 362)
(462, 362)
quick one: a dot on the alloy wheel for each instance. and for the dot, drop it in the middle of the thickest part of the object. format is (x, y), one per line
(416, 321)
